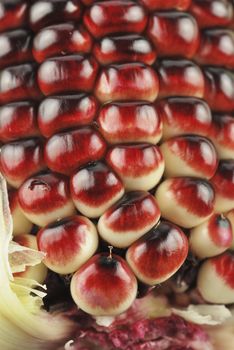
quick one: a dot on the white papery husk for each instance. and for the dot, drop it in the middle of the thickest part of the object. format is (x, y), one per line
(23, 322)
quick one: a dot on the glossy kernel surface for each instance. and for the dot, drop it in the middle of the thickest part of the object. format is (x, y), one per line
(68, 243)
(65, 152)
(215, 13)
(219, 89)
(45, 198)
(222, 135)
(184, 115)
(128, 81)
(20, 159)
(18, 83)
(217, 48)
(94, 188)
(186, 201)
(18, 119)
(189, 156)
(100, 276)
(157, 255)
(128, 219)
(63, 38)
(67, 74)
(129, 122)
(223, 182)
(43, 13)
(57, 113)
(124, 48)
(180, 78)
(115, 16)
(185, 39)
(16, 47)
(139, 166)
(13, 14)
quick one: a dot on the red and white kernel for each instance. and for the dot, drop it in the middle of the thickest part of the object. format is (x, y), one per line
(127, 81)
(156, 256)
(212, 237)
(129, 219)
(130, 122)
(189, 155)
(94, 188)
(45, 198)
(215, 279)
(184, 115)
(223, 182)
(139, 166)
(94, 286)
(186, 201)
(68, 243)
